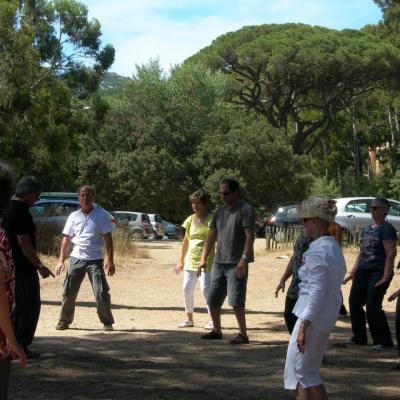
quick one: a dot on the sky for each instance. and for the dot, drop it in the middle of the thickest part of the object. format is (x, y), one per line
(173, 30)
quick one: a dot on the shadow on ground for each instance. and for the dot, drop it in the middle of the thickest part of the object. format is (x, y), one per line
(157, 364)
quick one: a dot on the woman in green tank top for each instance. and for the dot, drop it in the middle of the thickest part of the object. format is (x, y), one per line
(196, 227)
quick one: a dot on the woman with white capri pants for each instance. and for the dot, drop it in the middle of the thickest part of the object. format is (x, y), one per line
(196, 231)
(317, 307)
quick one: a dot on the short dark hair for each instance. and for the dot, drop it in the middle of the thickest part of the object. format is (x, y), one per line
(233, 185)
(200, 195)
(7, 184)
(88, 187)
(28, 185)
(381, 202)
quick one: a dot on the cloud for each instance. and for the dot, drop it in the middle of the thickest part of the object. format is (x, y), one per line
(176, 29)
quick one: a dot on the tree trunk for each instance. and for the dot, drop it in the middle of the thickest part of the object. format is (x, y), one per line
(392, 143)
(356, 143)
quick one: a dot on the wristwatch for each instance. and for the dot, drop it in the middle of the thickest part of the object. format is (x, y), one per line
(244, 257)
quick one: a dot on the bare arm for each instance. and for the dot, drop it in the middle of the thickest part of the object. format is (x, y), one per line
(30, 253)
(65, 245)
(208, 245)
(184, 249)
(394, 295)
(248, 245)
(284, 278)
(109, 266)
(301, 336)
(351, 274)
(6, 324)
(390, 250)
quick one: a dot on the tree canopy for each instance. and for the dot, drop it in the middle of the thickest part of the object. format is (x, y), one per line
(298, 76)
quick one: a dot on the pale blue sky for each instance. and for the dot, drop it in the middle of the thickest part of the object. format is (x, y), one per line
(173, 30)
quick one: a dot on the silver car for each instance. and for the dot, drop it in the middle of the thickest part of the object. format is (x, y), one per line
(354, 213)
(158, 227)
(138, 224)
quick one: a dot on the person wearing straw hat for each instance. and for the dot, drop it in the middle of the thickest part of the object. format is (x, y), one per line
(317, 308)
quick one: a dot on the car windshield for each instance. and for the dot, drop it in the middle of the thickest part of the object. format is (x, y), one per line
(287, 212)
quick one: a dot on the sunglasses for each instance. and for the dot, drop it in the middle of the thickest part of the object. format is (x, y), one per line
(374, 208)
(224, 194)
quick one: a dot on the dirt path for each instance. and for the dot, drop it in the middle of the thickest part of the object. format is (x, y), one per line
(148, 357)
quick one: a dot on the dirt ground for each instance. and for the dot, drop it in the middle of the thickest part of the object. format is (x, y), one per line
(148, 357)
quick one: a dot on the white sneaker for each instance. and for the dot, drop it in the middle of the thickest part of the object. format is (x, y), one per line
(209, 326)
(186, 324)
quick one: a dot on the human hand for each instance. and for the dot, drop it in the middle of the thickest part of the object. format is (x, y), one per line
(178, 267)
(281, 286)
(59, 268)
(45, 272)
(385, 278)
(241, 269)
(200, 268)
(348, 278)
(17, 352)
(394, 295)
(301, 339)
(109, 267)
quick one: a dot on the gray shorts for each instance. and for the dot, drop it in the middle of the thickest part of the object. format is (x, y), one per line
(224, 281)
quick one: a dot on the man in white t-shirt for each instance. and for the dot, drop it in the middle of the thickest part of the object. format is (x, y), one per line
(87, 229)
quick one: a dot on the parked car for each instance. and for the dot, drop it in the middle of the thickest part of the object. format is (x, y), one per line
(138, 224)
(50, 216)
(56, 211)
(158, 226)
(284, 216)
(354, 213)
(173, 231)
(59, 196)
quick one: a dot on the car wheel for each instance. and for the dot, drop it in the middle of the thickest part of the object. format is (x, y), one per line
(136, 234)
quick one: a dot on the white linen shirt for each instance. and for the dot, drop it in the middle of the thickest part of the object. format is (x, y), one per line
(321, 277)
(87, 233)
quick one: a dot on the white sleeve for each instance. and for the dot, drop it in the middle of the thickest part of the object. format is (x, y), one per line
(106, 224)
(318, 286)
(69, 226)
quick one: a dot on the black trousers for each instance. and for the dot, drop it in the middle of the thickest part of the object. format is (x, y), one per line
(27, 306)
(290, 318)
(4, 377)
(364, 293)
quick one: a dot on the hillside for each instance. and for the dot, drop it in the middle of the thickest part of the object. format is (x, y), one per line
(112, 83)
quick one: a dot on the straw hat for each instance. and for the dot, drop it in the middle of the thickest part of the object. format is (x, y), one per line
(317, 207)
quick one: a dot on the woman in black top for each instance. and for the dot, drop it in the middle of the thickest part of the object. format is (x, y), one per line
(371, 275)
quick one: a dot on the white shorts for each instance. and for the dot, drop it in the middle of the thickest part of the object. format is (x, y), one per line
(304, 367)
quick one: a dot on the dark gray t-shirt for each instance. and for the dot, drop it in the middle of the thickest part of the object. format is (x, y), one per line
(230, 224)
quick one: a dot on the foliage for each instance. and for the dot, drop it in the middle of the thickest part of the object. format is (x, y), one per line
(258, 157)
(44, 46)
(324, 187)
(301, 74)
